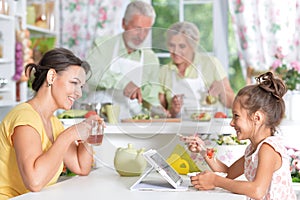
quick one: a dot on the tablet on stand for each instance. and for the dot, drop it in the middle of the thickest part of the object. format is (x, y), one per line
(166, 178)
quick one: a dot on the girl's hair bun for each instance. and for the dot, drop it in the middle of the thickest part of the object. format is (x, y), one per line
(272, 84)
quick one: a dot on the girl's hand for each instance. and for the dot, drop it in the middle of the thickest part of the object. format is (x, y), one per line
(83, 129)
(204, 180)
(195, 144)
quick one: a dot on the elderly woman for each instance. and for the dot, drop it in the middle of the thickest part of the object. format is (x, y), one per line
(191, 78)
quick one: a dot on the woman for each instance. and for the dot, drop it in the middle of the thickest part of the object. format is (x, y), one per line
(191, 74)
(33, 143)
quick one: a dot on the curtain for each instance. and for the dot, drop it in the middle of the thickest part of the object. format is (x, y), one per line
(81, 21)
(263, 26)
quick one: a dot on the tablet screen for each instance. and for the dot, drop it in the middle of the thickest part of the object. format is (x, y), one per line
(160, 161)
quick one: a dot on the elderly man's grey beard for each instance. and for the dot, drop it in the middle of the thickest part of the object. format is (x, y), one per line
(134, 46)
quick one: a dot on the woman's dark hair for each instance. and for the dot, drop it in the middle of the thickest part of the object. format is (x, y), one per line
(266, 96)
(58, 59)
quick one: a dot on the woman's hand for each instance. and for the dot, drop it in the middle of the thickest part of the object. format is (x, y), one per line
(83, 129)
(204, 180)
(223, 91)
(176, 105)
(216, 88)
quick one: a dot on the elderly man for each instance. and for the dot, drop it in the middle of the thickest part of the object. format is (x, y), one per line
(123, 69)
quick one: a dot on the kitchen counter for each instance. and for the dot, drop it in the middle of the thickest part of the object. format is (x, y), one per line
(105, 183)
(183, 127)
(163, 136)
(162, 127)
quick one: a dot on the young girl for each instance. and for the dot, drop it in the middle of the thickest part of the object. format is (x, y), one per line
(257, 111)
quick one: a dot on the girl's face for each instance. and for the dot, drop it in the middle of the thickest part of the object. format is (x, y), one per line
(180, 50)
(241, 122)
(67, 86)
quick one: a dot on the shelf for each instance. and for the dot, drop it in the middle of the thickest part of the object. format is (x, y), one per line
(37, 31)
(6, 17)
(4, 89)
(5, 61)
(21, 15)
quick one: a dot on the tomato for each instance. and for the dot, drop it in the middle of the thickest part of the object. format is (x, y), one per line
(210, 153)
(90, 113)
(220, 115)
(201, 115)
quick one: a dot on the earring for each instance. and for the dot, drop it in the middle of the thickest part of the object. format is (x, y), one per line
(49, 84)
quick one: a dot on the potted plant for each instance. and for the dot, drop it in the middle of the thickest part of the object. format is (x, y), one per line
(289, 72)
(294, 164)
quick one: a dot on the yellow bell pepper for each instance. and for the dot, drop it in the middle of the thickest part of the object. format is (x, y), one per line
(180, 165)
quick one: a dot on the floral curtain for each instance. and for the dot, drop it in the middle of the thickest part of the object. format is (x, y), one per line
(81, 21)
(263, 26)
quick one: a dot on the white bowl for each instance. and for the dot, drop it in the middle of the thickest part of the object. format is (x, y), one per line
(191, 112)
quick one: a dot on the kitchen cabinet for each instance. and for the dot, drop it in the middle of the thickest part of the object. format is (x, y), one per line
(44, 23)
(8, 26)
(7, 61)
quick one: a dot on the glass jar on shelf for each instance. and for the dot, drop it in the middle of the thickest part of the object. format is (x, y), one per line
(3, 7)
(40, 13)
(1, 45)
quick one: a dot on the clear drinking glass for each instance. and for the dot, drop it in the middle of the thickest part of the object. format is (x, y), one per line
(96, 135)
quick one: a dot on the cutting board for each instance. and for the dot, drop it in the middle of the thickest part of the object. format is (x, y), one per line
(151, 120)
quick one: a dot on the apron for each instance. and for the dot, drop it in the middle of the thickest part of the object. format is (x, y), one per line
(191, 88)
(132, 70)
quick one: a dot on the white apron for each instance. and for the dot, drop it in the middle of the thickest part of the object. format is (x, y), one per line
(190, 88)
(132, 70)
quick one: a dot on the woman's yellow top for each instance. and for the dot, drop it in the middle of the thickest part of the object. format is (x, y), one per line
(11, 183)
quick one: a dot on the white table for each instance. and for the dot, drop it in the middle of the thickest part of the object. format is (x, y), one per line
(105, 183)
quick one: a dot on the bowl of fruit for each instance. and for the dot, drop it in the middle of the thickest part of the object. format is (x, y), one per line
(204, 113)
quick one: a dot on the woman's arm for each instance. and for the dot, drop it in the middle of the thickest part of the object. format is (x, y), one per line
(223, 90)
(79, 158)
(176, 105)
(164, 103)
(36, 167)
(163, 100)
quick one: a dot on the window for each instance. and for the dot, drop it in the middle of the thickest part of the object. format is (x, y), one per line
(216, 33)
(206, 14)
